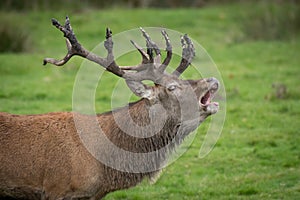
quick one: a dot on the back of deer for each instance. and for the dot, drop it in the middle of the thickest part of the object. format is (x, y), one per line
(41, 153)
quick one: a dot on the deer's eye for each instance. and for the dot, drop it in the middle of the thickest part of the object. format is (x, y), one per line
(172, 87)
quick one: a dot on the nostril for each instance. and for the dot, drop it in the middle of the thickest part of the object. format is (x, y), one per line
(215, 86)
(213, 83)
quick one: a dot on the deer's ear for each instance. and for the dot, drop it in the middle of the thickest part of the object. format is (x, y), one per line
(139, 89)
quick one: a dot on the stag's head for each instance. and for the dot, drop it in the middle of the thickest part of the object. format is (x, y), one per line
(185, 99)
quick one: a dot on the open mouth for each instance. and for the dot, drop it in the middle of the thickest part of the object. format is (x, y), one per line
(206, 99)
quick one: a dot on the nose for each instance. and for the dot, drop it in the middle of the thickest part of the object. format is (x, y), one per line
(213, 83)
(212, 79)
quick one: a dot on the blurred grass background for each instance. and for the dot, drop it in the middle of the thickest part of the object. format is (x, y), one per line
(255, 45)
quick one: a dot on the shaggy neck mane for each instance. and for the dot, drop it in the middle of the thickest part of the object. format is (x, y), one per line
(143, 135)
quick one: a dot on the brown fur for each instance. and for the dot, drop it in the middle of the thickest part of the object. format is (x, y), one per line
(43, 157)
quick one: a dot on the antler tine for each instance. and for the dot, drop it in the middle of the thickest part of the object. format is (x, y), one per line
(145, 56)
(149, 70)
(110, 63)
(169, 51)
(108, 43)
(62, 61)
(188, 53)
(75, 48)
(151, 46)
(68, 33)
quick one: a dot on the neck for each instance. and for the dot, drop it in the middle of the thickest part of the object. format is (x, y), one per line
(141, 127)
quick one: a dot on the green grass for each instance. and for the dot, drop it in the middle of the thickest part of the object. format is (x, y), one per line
(258, 153)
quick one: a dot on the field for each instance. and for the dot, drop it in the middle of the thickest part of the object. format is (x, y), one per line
(258, 153)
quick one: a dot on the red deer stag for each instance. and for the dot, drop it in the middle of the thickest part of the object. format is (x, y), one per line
(44, 156)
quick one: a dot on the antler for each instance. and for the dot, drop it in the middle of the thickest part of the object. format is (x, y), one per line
(149, 62)
(75, 48)
(188, 53)
(151, 67)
